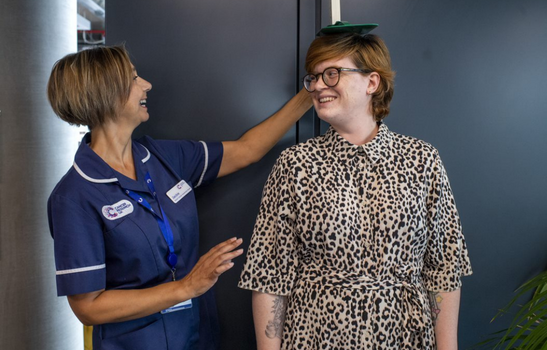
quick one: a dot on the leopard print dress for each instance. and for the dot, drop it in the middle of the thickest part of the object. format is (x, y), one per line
(355, 236)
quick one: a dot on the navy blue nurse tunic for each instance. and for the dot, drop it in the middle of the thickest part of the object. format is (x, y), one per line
(103, 239)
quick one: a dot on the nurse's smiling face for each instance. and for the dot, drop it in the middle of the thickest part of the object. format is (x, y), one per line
(135, 107)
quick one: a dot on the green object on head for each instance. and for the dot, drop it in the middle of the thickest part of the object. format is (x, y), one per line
(346, 27)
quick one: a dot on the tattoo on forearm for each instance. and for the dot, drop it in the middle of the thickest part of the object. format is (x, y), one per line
(274, 328)
(435, 300)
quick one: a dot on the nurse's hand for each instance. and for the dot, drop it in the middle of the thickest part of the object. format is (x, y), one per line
(211, 265)
(118, 305)
(256, 142)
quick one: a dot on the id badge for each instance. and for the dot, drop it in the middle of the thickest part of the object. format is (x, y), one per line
(177, 192)
(180, 306)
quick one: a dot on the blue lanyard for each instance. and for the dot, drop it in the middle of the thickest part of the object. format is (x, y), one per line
(162, 221)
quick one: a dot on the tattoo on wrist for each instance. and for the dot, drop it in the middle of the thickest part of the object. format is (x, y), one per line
(435, 300)
(274, 328)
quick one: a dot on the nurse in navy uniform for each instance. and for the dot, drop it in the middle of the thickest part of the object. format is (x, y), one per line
(124, 217)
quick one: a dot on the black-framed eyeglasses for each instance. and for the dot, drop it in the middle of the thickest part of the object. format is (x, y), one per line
(331, 77)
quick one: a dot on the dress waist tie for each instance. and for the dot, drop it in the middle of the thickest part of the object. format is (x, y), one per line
(415, 303)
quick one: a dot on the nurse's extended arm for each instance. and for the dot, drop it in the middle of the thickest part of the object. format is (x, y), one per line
(269, 317)
(122, 305)
(256, 142)
(445, 308)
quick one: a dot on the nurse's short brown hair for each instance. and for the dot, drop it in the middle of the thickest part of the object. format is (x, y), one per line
(91, 86)
(367, 52)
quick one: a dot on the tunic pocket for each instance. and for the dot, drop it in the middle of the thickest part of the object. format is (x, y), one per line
(142, 334)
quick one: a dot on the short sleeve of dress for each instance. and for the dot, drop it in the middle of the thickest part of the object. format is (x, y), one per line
(446, 258)
(79, 247)
(272, 260)
(197, 162)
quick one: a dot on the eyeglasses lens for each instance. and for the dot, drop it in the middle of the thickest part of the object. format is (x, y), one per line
(309, 82)
(330, 76)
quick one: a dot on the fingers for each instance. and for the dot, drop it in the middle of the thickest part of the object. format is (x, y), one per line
(223, 268)
(226, 261)
(227, 245)
(221, 256)
(224, 250)
(213, 264)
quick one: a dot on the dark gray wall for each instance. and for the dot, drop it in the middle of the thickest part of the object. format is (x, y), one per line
(471, 79)
(217, 68)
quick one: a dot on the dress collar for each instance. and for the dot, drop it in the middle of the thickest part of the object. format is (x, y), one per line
(94, 169)
(373, 150)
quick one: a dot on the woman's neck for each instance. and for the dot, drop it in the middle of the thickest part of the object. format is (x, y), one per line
(113, 144)
(358, 132)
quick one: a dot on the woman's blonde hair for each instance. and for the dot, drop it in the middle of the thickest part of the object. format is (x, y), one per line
(368, 52)
(91, 86)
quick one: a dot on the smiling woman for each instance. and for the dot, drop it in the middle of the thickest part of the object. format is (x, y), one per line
(124, 217)
(344, 101)
(135, 106)
(380, 269)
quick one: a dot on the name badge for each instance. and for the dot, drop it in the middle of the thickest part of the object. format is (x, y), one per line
(179, 191)
(180, 306)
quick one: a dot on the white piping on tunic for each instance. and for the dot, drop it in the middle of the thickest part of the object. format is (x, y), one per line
(114, 179)
(90, 179)
(81, 269)
(145, 159)
(206, 163)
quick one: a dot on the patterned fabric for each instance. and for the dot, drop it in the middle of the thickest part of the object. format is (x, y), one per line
(355, 236)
